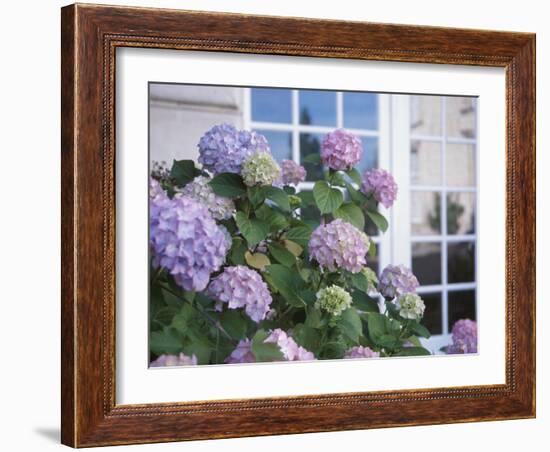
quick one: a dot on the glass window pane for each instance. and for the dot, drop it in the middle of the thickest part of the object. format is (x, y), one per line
(425, 212)
(426, 115)
(461, 211)
(432, 314)
(460, 165)
(461, 262)
(370, 154)
(361, 110)
(461, 117)
(425, 163)
(310, 143)
(271, 105)
(426, 262)
(280, 144)
(462, 305)
(374, 262)
(317, 108)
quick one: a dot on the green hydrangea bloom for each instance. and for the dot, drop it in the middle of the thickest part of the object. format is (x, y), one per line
(333, 299)
(372, 279)
(260, 169)
(411, 306)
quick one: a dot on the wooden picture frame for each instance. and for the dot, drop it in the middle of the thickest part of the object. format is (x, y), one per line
(90, 37)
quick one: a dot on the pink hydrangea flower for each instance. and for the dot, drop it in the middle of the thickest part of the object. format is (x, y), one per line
(242, 353)
(381, 185)
(341, 150)
(174, 360)
(361, 352)
(464, 337)
(292, 173)
(396, 280)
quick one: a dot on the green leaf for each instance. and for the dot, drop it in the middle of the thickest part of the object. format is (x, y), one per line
(278, 196)
(293, 247)
(199, 347)
(234, 324)
(312, 158)
(280, 253)
(387, 341)
(256, 195)
(257, 260)
(307, 197)
(253, 230)
(354, 175)
(378, 219)
(272, 217)
(307, 337)
(229, 185)
(364, 303)
(183, 172)
(377, 325)
(355, 195)
(413, 351)
(420, 329)
(328, 199)
(265, 352)
(350, 324)
(352, 214)
(313, 317)
(165, 315)
(287, 283)
(359, 281)
(372, 249)
(237, 251)
(415, 341)
(299, 234)
(166, 341)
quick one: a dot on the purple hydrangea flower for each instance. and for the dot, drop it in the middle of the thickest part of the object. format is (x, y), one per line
(220, 207)
(361, 352)
(397, 280)
(174, 360)
(381, 185)
(341, 150)
(241, 287)
(185, 240)
(224, 148)
(464, 337)
(292, 173)
(339, 245)
(289, 348)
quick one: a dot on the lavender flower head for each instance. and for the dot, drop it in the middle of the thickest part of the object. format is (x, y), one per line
(381, 185)
(186, 240)
(411, 306)
(224, 148)
(341, 150)
(220, 207)
(242, 353)
(260, 168)
(339, 245)
(360, 352)
(241, 287)
(174, 360)
(397, 280)
(464, 337)
(333, 299)
(292, 173)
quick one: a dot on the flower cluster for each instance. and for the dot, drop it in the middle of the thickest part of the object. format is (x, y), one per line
(380, 184)
(186, 240)
(260, 168)
(361, 352)
(174, 360)
(339, 245)
(333, 299)
(292, 173)
(464, 334)
(220, 207)
(241, 287)
(223, 148)
(341, 150)
(397, 280)
(411, 306)
(372, 280)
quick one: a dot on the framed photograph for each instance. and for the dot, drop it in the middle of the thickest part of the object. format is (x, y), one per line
(282, 225)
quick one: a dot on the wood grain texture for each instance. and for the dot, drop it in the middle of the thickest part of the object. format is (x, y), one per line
(90, 36)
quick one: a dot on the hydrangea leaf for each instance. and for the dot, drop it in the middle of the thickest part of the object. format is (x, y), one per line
(265, 352)
(420, 329)
(165, 341)
(307, 337)
(272, 217)
(257, 260)
(307, 197)
(328, 199)
(377, 325)
(201, 348)
(415, 341)
(183, 172)
(359, 281)
(372, 249)
(278, 196)
(350, 324)
(229, 185)
(236, 253)
(282, 255)
(352, 214)
(356, 196)
(299, 234)
(253, 230)
(364, 303)
(287, 283)
(413, 351)
(293, 247)
(378, 219)
(233, 322)
(354, 175)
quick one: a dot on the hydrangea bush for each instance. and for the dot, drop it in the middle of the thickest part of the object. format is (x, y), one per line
(239, 276)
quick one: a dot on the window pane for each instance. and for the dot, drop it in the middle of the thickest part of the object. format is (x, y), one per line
(426, 115)
(425, 163)
(310, 143)
(317, 108)
(280, 144)
(461, 117)
(460, 165)
(432, 314)
(425, 212)
(426, 263)
(374, 262)
(271, 105)
(461, 211)
(361, 111)
(370, 154)
(462, 305)
(461, 262)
